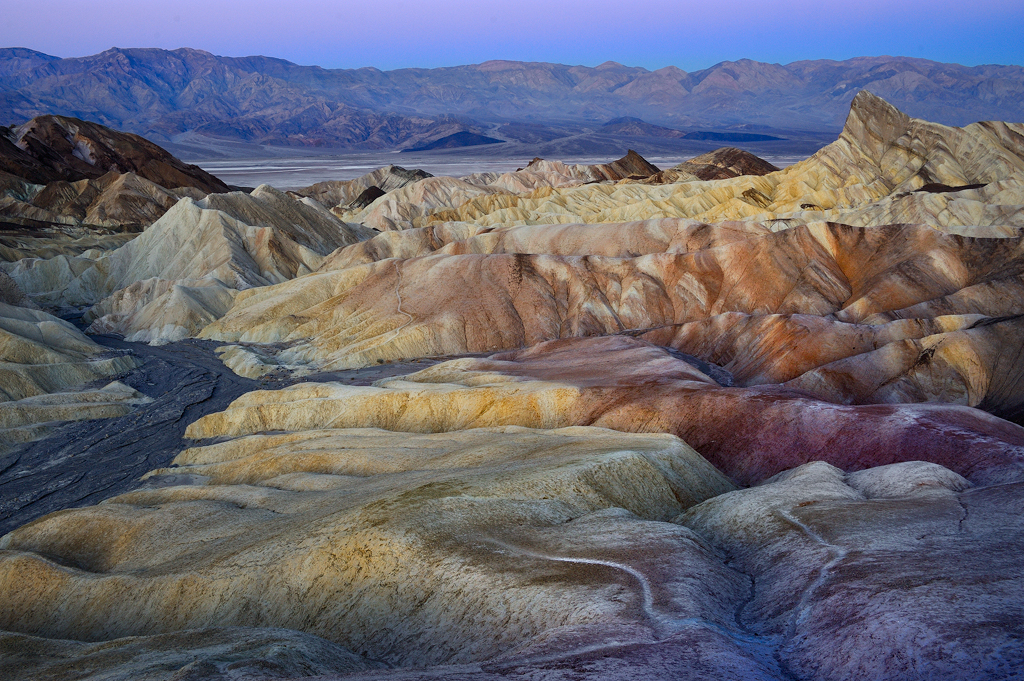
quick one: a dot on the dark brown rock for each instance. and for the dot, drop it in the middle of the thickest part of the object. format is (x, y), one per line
(726, 162)
(51, 148)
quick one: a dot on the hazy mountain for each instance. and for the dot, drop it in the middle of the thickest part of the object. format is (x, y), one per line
(165, 94)
(457, 141)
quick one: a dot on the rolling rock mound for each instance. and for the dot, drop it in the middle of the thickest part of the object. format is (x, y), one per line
(777, 447)
(865, 315)
(504, 550)
(627, 384)
(182, 272)
(461, 524)
(43, 360)
(416, 203)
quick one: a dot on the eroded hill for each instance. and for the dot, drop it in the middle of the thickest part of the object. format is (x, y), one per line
(648, 425)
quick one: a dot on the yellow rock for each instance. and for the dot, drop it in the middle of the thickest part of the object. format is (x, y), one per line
(41, 354)
(32, 418)
(862, 178)
(426, 549)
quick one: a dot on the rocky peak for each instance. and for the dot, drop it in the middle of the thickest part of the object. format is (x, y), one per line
(633, 165)
(724, 163)
(874, 124)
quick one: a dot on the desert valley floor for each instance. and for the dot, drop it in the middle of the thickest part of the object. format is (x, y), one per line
(721, 420)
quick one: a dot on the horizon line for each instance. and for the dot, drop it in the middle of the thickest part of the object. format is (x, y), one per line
(510, 61)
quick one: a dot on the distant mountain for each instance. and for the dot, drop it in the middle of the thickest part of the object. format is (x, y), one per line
(457, 140)
(166, 94)
(17, 59)
(730, 136)
(635, 127)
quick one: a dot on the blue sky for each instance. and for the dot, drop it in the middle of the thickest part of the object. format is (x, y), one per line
(419, 33)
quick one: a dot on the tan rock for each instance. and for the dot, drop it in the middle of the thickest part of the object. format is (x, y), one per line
(41, 354)
(11, 293)
(862, 178)
(340, 193)
(160, 311)
(42, 360)
(405, 207)
(213, 247)
(483, 293)
(419, 550)
(123, 201)
(32, 418)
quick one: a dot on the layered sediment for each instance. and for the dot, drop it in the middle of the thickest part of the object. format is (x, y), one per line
(715, 421)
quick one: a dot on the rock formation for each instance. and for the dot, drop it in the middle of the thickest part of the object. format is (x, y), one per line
(11, 293)
(182, 272)
(51, 148)
(43, 354)
(870, 175)
(43, 360)
(417, 203)
(32, 418)
(629, 385)
(610, 433)
(725, 163)
(120, 203)
(341, 193)
(501, 546)
(535, 284)
(68, 186)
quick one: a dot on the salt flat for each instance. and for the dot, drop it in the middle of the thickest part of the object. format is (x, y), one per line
(294, 172)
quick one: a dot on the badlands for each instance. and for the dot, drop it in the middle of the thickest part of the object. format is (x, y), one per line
(612, 421)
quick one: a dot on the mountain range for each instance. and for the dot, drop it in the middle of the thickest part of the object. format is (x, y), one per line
(187, 94)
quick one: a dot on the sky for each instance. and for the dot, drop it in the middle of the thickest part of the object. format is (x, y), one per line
(390, 34)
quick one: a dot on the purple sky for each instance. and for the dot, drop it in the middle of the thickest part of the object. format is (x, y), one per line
(392, 34)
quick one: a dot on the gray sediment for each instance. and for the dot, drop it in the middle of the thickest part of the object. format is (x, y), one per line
(85, 462)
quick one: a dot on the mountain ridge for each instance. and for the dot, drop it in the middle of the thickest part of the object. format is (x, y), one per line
(163, 94)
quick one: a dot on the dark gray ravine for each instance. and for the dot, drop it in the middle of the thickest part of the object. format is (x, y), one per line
(85, 462)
